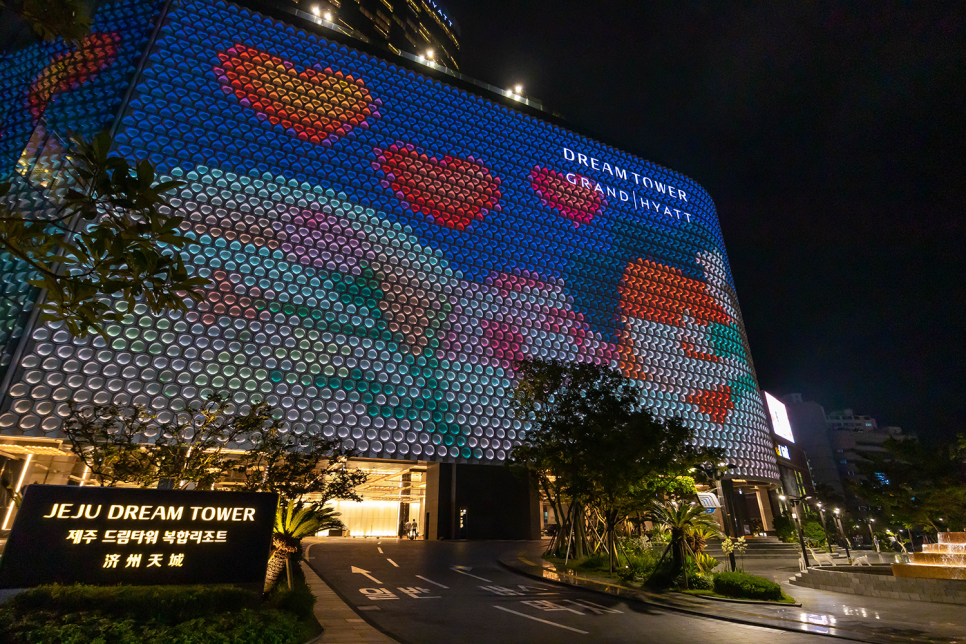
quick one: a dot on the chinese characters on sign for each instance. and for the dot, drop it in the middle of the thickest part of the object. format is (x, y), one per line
(68, 534)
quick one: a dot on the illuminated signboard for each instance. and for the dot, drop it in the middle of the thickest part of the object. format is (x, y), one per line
(779, 417)
(382, 246)
(782, 450)
(709, 501)
(104, 535)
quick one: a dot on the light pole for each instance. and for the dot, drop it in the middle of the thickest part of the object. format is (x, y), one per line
(714, 473)
(875, 543)
(796, 501)
(845, 539)
(821, 513)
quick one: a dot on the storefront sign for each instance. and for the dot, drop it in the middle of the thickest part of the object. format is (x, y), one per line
(104, 535)
(709, 501)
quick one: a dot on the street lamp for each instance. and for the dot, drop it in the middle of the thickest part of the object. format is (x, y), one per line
(714, 473)
(795, 501)
(845, 539)
(821, 513)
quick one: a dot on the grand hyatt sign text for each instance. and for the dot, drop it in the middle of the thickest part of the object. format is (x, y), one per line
(100, 535)
(641, 202)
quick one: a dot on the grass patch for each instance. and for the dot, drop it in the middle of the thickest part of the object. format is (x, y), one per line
(160, 615)
(785, 599)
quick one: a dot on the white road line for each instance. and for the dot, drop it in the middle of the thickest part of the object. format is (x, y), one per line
(380, 551)
(463, 571)
(432, 582)
(542, 621)
(308, 550)
(392, 562)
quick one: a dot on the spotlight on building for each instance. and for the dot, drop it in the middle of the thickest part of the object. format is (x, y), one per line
(328, 16)
(315, 10)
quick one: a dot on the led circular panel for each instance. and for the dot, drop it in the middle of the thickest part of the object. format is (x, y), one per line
(381, 247)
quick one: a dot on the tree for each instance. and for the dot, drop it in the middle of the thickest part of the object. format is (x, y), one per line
(291, 525)
(130, 445)
(593, 444)
(109, 237)
(912, 485)
(683, 519)
(309, 472)
(52, 19)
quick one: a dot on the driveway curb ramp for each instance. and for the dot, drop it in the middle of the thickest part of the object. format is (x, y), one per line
(789, 618)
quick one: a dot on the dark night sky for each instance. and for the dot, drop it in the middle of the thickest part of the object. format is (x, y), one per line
(832, 137)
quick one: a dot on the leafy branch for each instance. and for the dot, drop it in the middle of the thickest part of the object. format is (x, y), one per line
(125, 246)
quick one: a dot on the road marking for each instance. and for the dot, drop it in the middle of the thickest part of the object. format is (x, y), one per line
(392, 562)
(526, 561)
(364, 573)
(368, 608)
(542, 621)
(464, 570)
(308, 550)
(380, 551)
(431, 581)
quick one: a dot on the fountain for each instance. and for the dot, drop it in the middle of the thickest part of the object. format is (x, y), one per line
(943, 560)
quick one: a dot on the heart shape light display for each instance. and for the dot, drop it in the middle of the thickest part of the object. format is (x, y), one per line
(317, 104)
(455, 192)
(567, 196)
(71, 70)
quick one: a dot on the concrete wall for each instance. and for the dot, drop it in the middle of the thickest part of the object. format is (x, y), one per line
(943, 591)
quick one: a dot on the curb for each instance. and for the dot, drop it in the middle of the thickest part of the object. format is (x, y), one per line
(732, 600)
(632, 594)
(345, 600)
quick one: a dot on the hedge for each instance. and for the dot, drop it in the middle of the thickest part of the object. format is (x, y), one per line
(155, 615)
(744, 586)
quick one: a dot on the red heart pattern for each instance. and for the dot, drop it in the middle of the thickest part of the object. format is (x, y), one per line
(317, 105)
(69, 71)
(455, 192)
(568, 197)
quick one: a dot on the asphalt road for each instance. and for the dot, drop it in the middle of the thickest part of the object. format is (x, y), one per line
(428, 592)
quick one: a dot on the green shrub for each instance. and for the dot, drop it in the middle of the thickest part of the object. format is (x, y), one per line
(242, 627)
(166, 604)
(156, 615)
(785, 529)
(815, 534)
(298, 600)
(593, 563)
(744, 586)
(702, 581)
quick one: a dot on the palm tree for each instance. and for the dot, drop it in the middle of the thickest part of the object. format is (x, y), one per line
(685, 521)
(291, 525)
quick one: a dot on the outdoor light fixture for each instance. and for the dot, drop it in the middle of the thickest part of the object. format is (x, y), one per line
(518, 89)
(328, 16)
(315, 10)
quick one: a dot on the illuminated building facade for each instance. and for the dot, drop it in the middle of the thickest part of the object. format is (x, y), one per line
(382, 240)
(420, 27)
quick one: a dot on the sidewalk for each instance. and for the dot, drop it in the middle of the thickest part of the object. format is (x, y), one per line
(864, 619)
(342, 624)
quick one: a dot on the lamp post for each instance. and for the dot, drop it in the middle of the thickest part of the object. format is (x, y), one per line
(796, 501)
(872, 534)
(845, 539)
(714, 473)
(821, 513)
